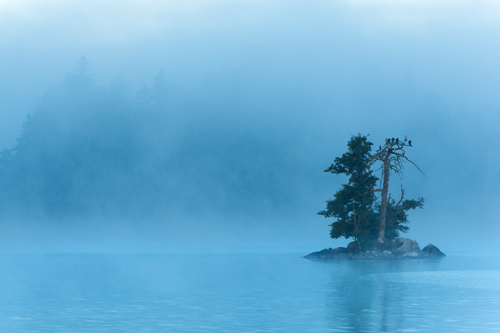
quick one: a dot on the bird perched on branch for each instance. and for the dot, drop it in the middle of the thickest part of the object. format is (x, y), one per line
(406, 138)
(392, 139)
(409, 142)
(397, 140)
(403, 153)
(379, 147)
(386, 140)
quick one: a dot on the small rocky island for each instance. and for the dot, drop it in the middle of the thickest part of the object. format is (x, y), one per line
(374, 224)
(397, 248)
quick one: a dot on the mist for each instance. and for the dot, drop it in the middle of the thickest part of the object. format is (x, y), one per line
(208, 125)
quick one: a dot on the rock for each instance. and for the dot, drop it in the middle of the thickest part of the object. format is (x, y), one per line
(405, 245)
(432, 251)
(353, 247)
(327, 253)
(339, 250)
(398, 248)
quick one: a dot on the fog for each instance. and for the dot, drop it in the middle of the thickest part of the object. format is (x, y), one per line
(207, 125)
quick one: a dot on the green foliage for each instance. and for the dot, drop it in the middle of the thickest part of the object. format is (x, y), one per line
(397, 216)
(355, 206)
(353, 203)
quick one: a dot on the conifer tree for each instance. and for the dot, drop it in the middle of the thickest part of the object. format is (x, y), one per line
(353, 203)
(358, 213)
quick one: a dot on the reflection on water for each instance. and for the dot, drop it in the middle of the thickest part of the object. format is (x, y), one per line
(415, 296)
(245, 293)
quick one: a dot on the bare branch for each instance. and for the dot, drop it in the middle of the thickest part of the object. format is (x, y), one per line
(393, 152)
(416, 166)
(402, 196)
(372, 190)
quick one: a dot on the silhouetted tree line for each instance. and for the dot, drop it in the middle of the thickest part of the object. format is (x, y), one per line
(89, 149)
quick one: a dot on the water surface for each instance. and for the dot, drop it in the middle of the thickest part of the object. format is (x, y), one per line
(245, 293)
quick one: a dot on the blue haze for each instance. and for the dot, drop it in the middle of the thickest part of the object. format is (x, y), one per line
(173, 185)
(301, 78)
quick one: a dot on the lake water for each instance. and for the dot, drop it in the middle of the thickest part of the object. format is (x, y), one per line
(245, 293)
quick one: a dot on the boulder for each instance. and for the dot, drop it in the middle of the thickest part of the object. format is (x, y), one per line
(353, 247)
(403, 246)
(432, 251)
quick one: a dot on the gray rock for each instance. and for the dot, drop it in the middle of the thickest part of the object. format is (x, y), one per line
(405, 245)
(398, 248)
(328, 253)
(432, 251)
(353, 247)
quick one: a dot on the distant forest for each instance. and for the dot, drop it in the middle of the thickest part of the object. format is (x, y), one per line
(88, 149)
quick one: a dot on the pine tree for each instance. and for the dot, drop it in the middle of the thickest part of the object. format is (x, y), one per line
(359, 215)
(353, 203)
(397, 217)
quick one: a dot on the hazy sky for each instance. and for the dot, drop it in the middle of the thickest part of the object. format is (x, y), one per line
(326, 69)
(447, 47)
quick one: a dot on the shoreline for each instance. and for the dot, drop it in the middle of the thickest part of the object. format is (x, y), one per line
(398, 248)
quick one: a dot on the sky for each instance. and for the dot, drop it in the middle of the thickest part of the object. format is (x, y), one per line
(316, 71)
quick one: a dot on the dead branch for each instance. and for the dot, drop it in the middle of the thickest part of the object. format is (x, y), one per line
(372, 190)
(402, 196)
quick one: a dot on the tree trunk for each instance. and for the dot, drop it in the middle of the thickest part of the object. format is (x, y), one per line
(383, 207)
